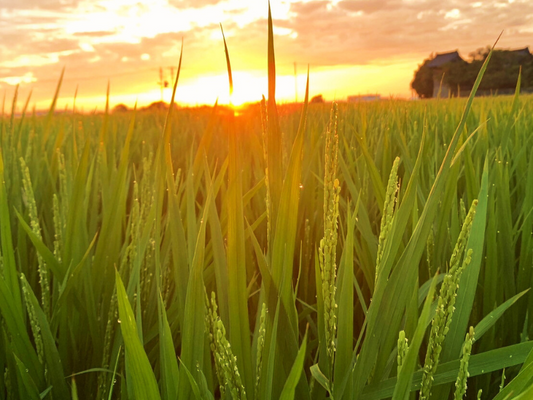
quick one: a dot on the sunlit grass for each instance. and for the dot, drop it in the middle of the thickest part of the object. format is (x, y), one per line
(268, 251)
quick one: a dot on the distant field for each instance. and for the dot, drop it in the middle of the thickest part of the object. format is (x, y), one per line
(275, 262)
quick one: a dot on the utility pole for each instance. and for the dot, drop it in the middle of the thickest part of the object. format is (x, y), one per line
(295, 84)
(172, 77)
(161, 83)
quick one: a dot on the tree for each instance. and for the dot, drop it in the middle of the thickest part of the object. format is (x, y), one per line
(120, 108)
(527, 76)
(317, 99)
(423, 81)
(501, 74)
(502, 71)
(480, 54)
(461, 76)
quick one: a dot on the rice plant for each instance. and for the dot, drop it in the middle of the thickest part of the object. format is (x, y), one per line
(201, 254)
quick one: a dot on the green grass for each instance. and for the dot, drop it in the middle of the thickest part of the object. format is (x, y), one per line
(136, 219)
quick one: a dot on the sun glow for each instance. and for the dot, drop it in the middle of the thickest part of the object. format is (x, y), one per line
(248, 87)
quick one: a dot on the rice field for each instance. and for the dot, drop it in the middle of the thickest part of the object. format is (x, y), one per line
(370, 251)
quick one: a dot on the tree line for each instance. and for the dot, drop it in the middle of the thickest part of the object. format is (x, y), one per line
(501, 75)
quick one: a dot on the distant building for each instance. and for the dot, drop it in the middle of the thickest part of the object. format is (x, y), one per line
(449, 75)
(522, 53)
(436, 65)
(364, 97)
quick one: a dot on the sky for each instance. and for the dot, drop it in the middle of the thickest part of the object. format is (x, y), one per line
(352, 47)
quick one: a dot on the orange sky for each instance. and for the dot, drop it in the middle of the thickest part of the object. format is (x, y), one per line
(352, 47)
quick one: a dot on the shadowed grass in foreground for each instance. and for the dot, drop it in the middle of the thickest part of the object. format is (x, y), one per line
(368, 251)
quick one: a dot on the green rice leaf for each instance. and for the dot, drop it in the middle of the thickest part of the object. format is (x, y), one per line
(193, 329)
(143, 382)
(345, 342)
(27, 385)
(479, 364)
(405, 377)
(55, 374)
(518, 384)
(320, 377)
(490, 319)
(192, 382)
(169, 361)
(21, 344)
(296, 371)
(8, 254)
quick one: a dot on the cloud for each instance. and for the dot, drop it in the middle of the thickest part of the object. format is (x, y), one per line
(128, 41)
(94, 34)
(39, 4)
(192, 3)
(359, 32)
(366, 6)
(15, 80)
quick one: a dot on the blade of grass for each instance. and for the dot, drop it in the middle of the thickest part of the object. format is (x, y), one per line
(168, 361)
(517, 385)
(289, 388)
(490, 319)
(143, 382)
(193, 329)
(405, 377)
(274, 159)
(55, 374)
(403, 277)
(27, 385)
(479, 364)
(48, 121)
(468, 283)
(345, 341)
(239, 328)
(166, 129)
(8, 255)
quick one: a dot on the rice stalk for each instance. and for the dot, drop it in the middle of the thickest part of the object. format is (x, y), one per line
(328, 244)
(126, 266)
(388, 213)
(462, 209)
(225, 362)
(58, 227)
(264, 136)
(403, 347)
(36, 228)
(502, 382)
(460, 383)
(34, 323)
(446, 301)
(260, 347)
(430, 249)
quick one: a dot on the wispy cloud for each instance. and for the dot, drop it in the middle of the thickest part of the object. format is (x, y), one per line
(127, 41)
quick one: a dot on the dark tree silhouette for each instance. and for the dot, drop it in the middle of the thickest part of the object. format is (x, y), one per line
(501, 75)
(423, 81)
(120, 108)
(317, 99)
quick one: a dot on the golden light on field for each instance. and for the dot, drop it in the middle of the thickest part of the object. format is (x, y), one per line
(249, 87)
(352, 47)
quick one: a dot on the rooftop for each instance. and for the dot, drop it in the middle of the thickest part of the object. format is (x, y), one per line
(522, 52)
(444, 58)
